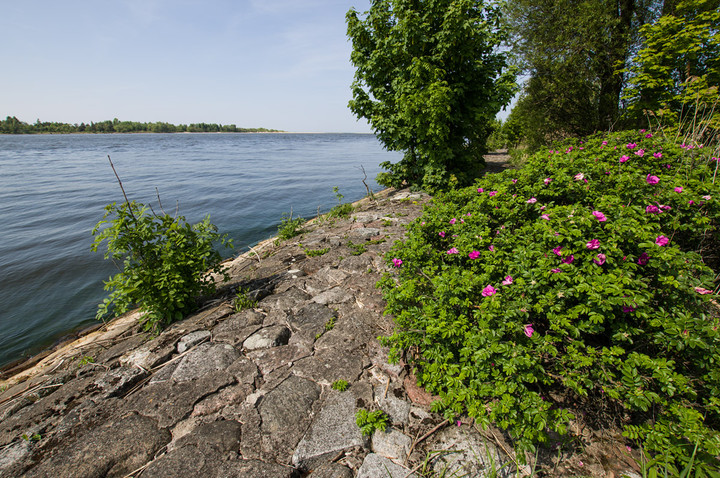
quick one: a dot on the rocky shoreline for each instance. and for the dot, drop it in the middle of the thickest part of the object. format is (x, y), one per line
(249, 392)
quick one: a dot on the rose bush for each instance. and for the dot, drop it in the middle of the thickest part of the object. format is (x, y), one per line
(577, 287)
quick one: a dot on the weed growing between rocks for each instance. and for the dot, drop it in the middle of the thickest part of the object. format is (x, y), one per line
(369, 422)
(242, 301)
(581, 284)
(290, 227)
(342, 210)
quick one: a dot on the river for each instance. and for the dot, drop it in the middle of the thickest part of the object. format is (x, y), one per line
(53, 190)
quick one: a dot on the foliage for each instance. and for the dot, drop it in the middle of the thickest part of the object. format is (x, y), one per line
(357, 249)
(572, 53)
(369, 422)
(678, 70)
(341, 210)
(316, 252)
(290, 227)
(85, 360)
(243, 301)
(12, 125)
(167, 263)
(429, 80)
(581, 282)
(340, 385)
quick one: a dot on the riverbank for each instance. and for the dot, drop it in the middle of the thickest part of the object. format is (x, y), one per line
(257, 392)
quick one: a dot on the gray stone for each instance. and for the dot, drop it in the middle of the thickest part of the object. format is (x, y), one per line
(309, 323)
(291, 299)
(468, 454)
(147, 356)
(169, 402)
(328, 365)
(113, 449)
(331, 470)
(336, 295)
(285, 414)
(224, 397)
(203, 360)
(356, 264)
(238, 327)
(333, 429)
(365, 232)
(393, 403)
(330, 275)
(209, 450)
(269, 360)
(391, 444)
(295, 273)
(376, 466)
(192, 339)
(120, 380)
(267, 338)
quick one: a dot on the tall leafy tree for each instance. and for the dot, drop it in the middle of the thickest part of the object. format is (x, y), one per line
(678, 69)
(572, 53)
(430, 80)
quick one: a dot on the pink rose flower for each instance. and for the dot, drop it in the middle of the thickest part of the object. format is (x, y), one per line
(474, 255)
(491, 248)
(601, 258)
(453, 250)
(643, 259)
(492, 193)
(657, 155)
(623, 158)
(528, 330)
(397, 262)
(662, 241)
(545, 216)
(441, 234)
(630, 145)
(652, 210)
(547, 181)
(531, 201)
(600, 216)
(453, 221)
(554, 271)
(679, 189)
(557, 250)
(628, 309)
(488, 291)
(569, 259)
(701, 290)
(508, 280)
(652, 179)
(593, 244)
(640, 152)
(480, 190)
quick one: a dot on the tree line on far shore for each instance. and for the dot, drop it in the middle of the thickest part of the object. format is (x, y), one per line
(12, 125)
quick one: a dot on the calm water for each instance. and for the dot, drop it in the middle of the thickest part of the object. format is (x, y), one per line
(53, 189)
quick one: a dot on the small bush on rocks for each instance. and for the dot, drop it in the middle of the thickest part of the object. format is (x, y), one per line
(582, 283)
(167, 262)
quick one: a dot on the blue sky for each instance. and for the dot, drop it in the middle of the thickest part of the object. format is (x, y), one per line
(280, 64)
(256, 63)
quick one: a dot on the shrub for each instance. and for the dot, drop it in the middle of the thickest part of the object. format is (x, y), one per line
(580, 283)
(290, 227)
(167, 263)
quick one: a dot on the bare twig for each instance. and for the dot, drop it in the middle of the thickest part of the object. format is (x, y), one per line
(127, 201)
(425, 436)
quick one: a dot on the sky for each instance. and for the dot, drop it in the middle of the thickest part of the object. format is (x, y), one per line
(281, 64)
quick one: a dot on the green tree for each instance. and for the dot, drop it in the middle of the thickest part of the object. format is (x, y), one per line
(572, 53)
(678, 68)
(430, 80)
